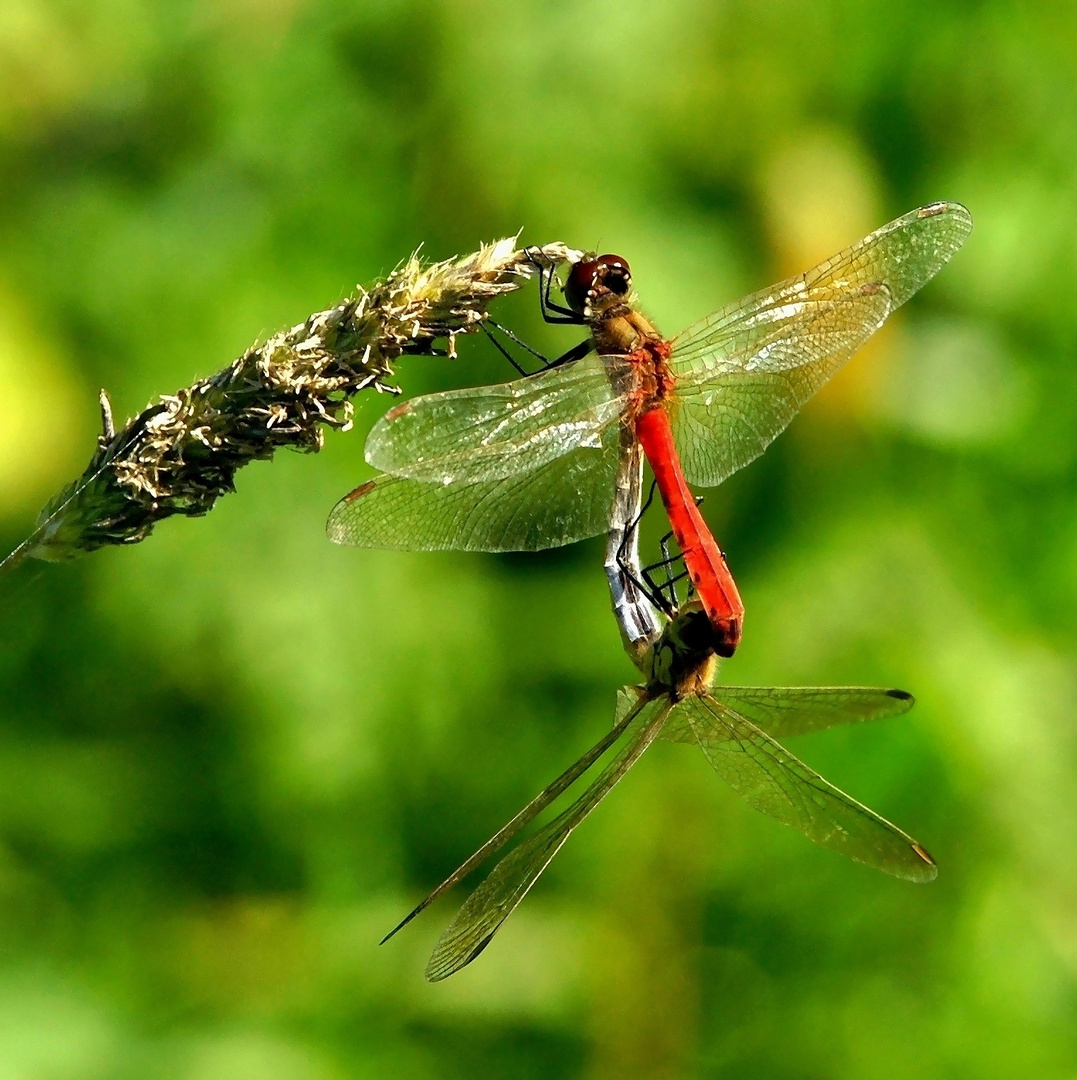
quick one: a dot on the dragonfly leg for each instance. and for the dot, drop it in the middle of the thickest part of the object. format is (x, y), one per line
(551, 312)
(630, 529)
(668, 586)
(664, 595)
(667, 562)
(505, 352)
(643, 581)
(641, 577)
(577, 352)
(661, 593)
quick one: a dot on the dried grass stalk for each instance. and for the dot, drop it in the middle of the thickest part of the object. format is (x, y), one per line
(182, 453)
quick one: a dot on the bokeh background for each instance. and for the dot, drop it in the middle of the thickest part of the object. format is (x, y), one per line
(233, 756)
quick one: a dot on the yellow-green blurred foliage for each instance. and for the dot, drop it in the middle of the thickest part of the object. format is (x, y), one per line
(232, 757)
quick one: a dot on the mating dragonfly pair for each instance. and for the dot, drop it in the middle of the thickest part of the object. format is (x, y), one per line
(558, 456)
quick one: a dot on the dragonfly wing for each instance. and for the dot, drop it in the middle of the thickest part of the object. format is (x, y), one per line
(774, 781)
(782, 711)
(491, 432)
(723, 424)
(744, 371)
(565, 500)
(627, 699)
(497, 897)
(759, 330)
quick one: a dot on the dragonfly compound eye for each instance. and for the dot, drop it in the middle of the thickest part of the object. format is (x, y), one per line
(591, 279)
(614, 274)
(580, 286)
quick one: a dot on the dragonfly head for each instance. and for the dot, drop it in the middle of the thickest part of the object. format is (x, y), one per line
(593, 283)
(683, 660)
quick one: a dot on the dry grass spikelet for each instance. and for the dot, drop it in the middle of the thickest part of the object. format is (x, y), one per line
(182, 452)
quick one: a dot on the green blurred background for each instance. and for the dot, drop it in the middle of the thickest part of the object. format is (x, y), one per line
(232, 757)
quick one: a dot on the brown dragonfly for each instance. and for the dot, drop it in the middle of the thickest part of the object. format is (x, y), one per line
(737, 728)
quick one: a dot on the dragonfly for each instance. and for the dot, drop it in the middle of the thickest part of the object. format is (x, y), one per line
(535, 463)
(737, 728)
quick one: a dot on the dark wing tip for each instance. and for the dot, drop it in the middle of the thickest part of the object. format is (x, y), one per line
(360, 491)
(397, 411)
(337, 526)
(936, 208)
(902, 695)
(932, 867)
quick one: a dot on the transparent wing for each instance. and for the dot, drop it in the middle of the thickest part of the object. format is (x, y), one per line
(782, 786)
(724, 423)
(745, 371)
(761, 331)
(565, 500)
(782, 711)
(490, 432)
(627, 698)
(497, 897)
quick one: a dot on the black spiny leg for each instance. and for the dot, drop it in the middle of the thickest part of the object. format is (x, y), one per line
(667, 588)
(577, 352)
(641, 578)
(551, 312)
(501, 348)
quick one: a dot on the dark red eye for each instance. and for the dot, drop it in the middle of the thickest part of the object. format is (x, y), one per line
(590, 278)
(614, 274)
(581, 280)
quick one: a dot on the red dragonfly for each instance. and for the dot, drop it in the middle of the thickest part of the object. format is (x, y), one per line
(736, 727)
(534, 463)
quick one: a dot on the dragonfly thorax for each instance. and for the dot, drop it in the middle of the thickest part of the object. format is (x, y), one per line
(623, 330)
(651, 381)
(683, 660)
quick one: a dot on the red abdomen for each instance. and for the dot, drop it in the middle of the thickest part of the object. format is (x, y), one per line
(706, 566)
